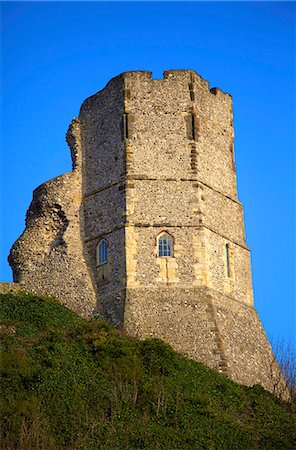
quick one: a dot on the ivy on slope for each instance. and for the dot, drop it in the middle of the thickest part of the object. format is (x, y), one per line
(68, 383)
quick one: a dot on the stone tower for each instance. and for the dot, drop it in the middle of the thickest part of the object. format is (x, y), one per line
(147, 229)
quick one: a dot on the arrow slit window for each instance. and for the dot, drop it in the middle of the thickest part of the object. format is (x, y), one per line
(228, 261)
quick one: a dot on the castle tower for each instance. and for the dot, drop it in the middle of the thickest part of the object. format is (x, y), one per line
(162, 243)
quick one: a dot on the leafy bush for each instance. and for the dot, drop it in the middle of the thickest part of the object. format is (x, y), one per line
(68, 383)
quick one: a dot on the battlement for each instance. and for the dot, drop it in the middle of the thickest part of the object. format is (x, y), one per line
(175, 75)
(187, 77)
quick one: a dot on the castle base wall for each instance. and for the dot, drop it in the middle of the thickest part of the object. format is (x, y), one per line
(204, 325)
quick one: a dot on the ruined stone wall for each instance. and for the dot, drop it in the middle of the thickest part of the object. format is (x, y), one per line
(49, 257)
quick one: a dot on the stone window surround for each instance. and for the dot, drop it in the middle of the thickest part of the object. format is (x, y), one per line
(170, 238)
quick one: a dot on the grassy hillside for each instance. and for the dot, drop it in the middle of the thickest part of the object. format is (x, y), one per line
(72, 384)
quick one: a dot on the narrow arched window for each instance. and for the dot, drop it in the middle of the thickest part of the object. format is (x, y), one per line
(102, 252)
(165, 245)
(227, 260)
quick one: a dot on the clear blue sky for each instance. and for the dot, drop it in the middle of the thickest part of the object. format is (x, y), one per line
(54, 55)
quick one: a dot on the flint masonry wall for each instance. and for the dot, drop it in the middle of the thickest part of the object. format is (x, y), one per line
(104, 205)
(182, 180)
(181, 166)
(152, 156)
(49, 257)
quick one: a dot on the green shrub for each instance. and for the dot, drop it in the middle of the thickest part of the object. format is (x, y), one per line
(68, 383)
